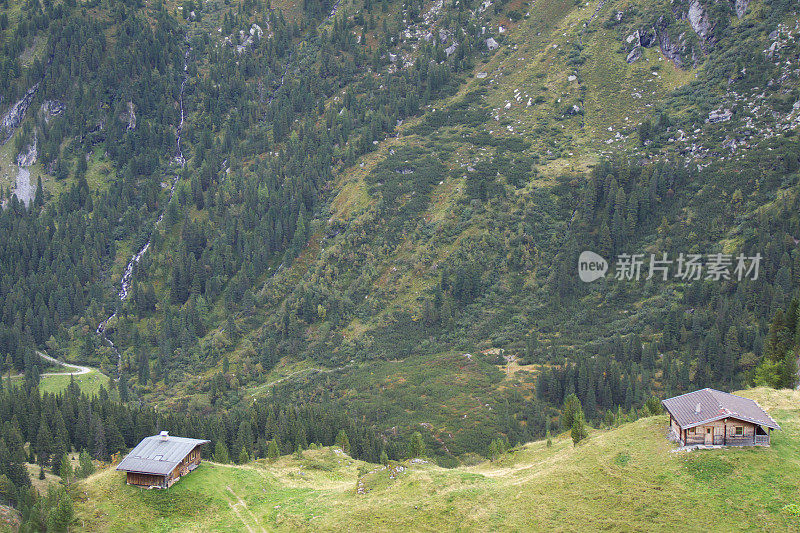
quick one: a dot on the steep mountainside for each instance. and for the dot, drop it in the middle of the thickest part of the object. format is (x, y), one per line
(380, 205)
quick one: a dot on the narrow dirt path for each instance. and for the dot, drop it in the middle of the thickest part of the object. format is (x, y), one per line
(80, 370)
(240, 505)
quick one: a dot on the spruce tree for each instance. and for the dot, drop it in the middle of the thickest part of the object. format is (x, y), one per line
(342, 441)
(417, 447)
(243, 456)
(65, 469)
(272, 450)
(85, 465)
(221, 452)
(578, 431)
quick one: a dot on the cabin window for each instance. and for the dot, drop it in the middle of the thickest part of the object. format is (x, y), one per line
(692, 431)
(738, 431)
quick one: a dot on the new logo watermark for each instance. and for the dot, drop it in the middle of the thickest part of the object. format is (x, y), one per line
(591, 266)
(687, 267)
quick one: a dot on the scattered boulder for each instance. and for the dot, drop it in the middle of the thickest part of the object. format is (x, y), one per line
(719, 115)
(491, 44)
(634, 54)
(246, 39)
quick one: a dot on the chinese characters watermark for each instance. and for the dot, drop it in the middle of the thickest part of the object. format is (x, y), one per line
(686, 267)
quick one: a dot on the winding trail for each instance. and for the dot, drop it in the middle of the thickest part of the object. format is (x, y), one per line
(312, 370)
(248, 518)
(80, 370)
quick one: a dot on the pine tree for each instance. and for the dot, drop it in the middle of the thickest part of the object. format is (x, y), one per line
(44, 444)
(417, 447)
(85, 465)
(493, 453)
(342, 441)
(65, 469)
(572, 405)
(221, 453)
(243, 456)
(272, 450)
(578, 431)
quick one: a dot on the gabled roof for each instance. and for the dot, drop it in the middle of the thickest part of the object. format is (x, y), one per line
(707, 405)
(158, 455)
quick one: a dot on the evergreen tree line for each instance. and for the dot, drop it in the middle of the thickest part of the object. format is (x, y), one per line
(44, 428)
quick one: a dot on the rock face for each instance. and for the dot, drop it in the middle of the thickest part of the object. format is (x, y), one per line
(741, 7)
(672, 50)
(698, 19)
(28, 157)
(670, 32)
(131, 117)
(52, 108)
(647, 37)
(14, 117)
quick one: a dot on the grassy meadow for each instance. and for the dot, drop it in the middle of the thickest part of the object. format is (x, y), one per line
(626, 479)
(89, 383)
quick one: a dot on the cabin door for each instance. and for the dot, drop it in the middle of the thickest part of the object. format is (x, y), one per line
(709, 435)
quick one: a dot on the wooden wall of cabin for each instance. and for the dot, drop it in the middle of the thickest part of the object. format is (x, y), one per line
(720, 427)
(675, 428)
(144, 480)
(188, 463)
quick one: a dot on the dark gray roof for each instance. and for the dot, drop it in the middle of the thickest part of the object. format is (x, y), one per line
(156, 455)
(708, 405)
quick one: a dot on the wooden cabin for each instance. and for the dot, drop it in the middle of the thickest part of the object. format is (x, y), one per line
(714, 418)
(159, 461)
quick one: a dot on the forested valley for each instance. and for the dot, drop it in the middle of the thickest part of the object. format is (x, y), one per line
(273, 226)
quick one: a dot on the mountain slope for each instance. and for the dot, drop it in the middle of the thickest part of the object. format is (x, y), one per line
(375, 208)
(624, 478)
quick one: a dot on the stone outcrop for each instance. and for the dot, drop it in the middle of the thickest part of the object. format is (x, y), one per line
(698, 20)
(246, 40)
(52, 108)
(672, 49)
(741, 7)
(131, 117)
(13, 118)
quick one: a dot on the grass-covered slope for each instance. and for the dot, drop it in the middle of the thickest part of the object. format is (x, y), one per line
(626, 478)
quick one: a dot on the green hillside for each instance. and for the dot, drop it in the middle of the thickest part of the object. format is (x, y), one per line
(375, 209)
(626, 478)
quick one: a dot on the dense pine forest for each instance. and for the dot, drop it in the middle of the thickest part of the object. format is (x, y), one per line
(359, 222)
